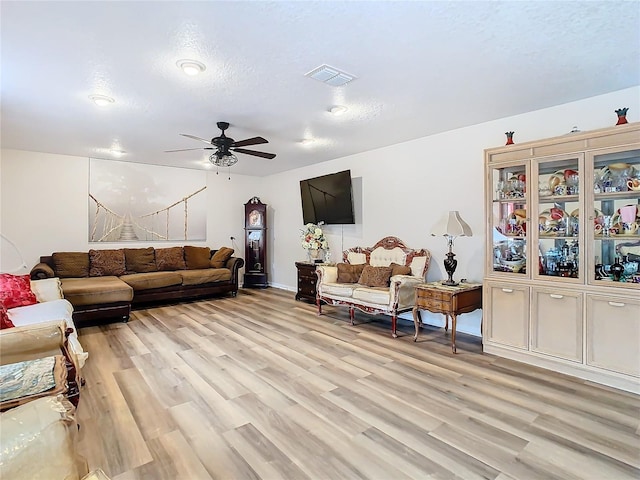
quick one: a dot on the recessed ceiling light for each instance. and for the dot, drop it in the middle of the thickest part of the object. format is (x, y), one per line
(338, 110)
(191, 67)
(101, 100)
(117, 153)
(307, 141)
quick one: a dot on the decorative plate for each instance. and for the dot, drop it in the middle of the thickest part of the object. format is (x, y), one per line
(554, 222)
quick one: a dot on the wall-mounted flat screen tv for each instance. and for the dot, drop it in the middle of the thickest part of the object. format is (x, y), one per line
(327, 199)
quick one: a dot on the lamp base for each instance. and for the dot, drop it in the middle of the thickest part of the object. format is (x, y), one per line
(450, 265)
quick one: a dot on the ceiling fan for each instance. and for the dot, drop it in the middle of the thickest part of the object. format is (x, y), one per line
(223, 146)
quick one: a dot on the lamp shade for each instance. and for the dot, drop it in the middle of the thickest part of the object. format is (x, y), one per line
(452, 225)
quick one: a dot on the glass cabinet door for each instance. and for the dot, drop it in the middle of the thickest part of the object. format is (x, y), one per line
(509, 219)
(615, 229)
(558, 216)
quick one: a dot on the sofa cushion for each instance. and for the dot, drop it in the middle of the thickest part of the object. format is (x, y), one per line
(15, 290)
(5, 321)
(400, 269)
(145, 281)
(220, 257)
(96, 290)
(339, 289)
(140, 260)
(377, 296)
(375, 276)
(171, 258)
(197, 257)
(103, 263)
(418, 266)
(71, 264)
(47, 289)
(349, 273)
(205, 275)
(356, 258)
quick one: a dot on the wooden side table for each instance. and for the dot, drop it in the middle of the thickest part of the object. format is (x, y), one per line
(307, 280)
(450, 301)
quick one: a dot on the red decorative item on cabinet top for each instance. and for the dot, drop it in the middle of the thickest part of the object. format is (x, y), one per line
(509, 138)
(622, 115)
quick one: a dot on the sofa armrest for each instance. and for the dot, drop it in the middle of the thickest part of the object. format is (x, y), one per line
(30, 342)
(42, 271)
(403, 290)
(39, 440)
(234, 264)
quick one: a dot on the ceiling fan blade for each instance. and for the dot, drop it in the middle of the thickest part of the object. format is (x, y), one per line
(253, 152)
(196, 138)
(187, 149)
(250, 141)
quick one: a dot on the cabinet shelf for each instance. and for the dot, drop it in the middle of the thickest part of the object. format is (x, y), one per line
(558, 198)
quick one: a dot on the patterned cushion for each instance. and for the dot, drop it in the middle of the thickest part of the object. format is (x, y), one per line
(197, 257)
(103, 263)
(5, 322)
(140, 260)
(220, 258)
(375, 276)
(71, 264)
(15, 291)
(400, 269)
(349, 273)
(169, 259)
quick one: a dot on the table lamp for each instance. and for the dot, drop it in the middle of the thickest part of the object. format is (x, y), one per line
(451, 226)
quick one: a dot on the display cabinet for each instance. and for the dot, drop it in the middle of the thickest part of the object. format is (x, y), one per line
(563, 230)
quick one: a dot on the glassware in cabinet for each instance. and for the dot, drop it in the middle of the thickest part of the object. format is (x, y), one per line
(615, 231)
(509, 218)
(558, 212)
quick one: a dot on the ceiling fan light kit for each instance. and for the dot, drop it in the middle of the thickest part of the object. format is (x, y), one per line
(225, 146)
(191, 67)
(101, 100)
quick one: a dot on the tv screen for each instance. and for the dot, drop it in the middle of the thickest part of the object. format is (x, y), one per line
(327, 199)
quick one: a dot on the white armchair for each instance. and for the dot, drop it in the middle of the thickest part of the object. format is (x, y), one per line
(386, 288)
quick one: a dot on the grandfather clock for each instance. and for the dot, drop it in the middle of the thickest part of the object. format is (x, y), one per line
(255, 244)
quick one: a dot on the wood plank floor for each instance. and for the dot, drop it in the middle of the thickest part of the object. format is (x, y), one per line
(260, 387)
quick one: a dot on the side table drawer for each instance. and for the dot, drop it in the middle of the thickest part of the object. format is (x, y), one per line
(433, 304)
(432, 295)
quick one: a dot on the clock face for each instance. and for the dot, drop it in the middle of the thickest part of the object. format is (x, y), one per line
(255, 218)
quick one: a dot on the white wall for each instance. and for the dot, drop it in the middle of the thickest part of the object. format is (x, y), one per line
(400, 190)
(45, 207)
(404, 189)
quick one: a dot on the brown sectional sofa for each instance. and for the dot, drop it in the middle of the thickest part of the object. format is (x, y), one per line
(104, 284)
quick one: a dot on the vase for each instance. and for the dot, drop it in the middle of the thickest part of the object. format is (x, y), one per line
(509, 138)
(314, 254)
(622, 115)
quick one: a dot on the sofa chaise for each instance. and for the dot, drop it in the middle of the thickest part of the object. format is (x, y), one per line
(378, 279)
(104, 284)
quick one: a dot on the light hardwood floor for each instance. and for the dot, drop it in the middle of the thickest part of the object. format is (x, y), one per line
(260, 387)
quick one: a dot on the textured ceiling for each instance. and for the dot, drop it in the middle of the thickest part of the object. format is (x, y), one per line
(421, 68)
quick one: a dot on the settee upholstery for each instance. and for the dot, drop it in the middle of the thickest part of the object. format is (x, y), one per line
(396, 295)
(105, 284)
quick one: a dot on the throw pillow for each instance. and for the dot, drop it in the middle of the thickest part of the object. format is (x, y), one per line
(170, 259)
(5, 321)
(349, 273)
(71, 264)
(106, 262)
(15, 291)
(375, 276)
(197, 257)
(220, 257)
(400, 269)
(140, 260)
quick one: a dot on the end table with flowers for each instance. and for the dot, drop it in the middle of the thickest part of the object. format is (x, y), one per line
(313, 240)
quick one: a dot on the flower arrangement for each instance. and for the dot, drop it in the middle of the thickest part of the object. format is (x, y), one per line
(313, 238)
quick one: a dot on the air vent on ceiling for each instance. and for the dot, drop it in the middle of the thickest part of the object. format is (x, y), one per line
(330, 75)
